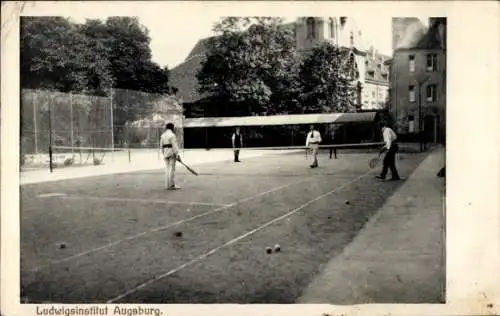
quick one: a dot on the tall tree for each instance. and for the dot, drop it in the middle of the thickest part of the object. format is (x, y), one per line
(248, 65)
(328, 80)
(53, 54)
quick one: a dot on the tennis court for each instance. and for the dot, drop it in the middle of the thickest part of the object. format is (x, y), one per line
(114, 238)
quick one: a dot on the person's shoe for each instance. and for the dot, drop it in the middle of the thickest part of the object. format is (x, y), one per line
(380, 178)
(174, 188)
(396, 179)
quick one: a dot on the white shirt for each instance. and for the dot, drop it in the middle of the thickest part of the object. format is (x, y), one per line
(313, 137)
(389, 137)
(169, 138)
(411, 126)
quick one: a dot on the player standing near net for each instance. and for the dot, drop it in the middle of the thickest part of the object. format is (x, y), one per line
(237, 141)
(312, 142)
(170, 150)
(391, 147)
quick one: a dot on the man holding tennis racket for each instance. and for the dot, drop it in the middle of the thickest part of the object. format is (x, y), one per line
(391, 148)
(312, 142)
(170, 150)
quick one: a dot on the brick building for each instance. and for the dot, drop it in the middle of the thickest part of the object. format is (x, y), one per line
(418, 78)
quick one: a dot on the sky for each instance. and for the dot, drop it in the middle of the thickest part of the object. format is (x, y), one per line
(175, 27)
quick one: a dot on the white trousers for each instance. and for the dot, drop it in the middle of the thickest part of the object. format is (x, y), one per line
(170, 172)
(314, 150)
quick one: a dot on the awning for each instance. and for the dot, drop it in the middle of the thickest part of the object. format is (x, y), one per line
(296, 119)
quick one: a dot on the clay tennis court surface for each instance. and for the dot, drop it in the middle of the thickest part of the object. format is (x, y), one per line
(114, 238)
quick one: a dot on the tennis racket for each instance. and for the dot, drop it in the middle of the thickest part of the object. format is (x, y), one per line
(374, 162)
(188, 167)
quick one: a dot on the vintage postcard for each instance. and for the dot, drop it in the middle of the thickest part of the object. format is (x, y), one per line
(175, 158)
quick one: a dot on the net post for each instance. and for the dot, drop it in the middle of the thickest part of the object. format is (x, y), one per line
(35, 127)
(50, 137)
(51, 167)
(112, 125)
(71, 122)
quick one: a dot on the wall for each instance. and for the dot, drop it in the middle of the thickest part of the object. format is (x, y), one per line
(402, 78)
(374, 95)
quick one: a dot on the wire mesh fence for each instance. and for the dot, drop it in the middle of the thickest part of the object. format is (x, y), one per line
(123, 119)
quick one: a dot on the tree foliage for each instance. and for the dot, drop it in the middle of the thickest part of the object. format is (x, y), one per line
(252, 67)
(248, 65)
(328, 77)
(91, 57)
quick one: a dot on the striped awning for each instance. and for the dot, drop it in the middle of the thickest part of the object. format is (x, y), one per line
(296, 119)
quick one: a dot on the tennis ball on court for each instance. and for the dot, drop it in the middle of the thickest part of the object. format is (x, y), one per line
(277, 248)
(178, 234)
(268, 250)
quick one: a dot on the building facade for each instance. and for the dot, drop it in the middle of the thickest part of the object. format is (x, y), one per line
(374, 76)
(418, 83)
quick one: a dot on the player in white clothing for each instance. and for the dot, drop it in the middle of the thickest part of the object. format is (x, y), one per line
(391, 147)
(312, 141)
(170, 150)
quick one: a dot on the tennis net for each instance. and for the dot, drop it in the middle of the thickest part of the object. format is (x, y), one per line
(67, 156)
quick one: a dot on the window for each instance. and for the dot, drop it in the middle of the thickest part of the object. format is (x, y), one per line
(343, 20)
(431, 93)
(411, 124)
(411, 91)
(311, 28)
(332, 29)
(411, 60)
(431, 62)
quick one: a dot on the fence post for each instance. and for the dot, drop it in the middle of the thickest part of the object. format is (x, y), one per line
(50, 136)
(71, 121)
(112, 126)
(35, 127)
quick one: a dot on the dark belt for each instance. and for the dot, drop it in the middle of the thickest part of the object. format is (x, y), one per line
(167, 146)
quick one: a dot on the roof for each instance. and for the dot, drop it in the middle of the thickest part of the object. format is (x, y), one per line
(431, 39)
(199, 49)
(295, 119)
(183, 77)
(407, 32)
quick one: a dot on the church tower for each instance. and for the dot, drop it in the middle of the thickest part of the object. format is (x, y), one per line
(339, 31)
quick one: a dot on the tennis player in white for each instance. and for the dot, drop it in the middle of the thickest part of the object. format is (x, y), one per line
(391, 148)
(313, 140)
(170, 150)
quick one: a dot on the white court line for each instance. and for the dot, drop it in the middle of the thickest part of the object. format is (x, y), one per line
(47, 195)
(112, 244)
(117, 199)
(233, 241)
